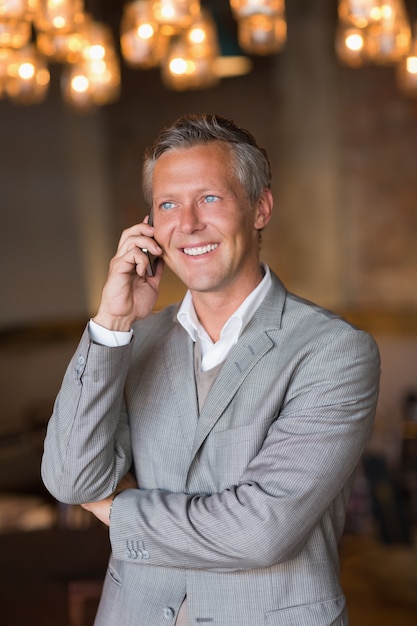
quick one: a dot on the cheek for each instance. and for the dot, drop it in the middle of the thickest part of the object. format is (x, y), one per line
(162, 234)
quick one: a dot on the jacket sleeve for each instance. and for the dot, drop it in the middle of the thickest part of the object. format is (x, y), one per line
(300, 478)
(87, 447)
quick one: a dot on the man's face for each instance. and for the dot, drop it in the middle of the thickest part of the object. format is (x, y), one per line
(203, 221)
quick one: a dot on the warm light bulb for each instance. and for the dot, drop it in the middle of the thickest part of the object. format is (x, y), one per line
(14, 33)
(178, 66)
(59, 22)
(173, 16)
(57, 15)
(96, 52)
(27, 76)
(262, 34)
(80, 84)
(141, 40)
(75, 43)
(411, 64)
(354, 42)
(386, 12)
(197, 35)
(26, 71)
(145, 31)
(376, 14)
(167, 12)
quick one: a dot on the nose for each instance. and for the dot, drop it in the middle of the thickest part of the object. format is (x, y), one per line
(190, 218)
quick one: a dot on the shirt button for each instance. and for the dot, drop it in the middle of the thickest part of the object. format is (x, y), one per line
(168, 612)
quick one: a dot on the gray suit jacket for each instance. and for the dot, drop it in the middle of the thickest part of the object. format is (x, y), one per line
(239, 508)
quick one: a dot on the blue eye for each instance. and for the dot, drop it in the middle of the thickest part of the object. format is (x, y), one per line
(211, 198)
(167, 205)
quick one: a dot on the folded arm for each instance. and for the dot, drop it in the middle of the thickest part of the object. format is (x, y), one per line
(300, 478)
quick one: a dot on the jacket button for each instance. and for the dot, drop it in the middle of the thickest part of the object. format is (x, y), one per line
(168, 612)
(131, 554)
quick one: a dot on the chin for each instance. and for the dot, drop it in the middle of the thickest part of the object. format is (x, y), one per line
(201, 283)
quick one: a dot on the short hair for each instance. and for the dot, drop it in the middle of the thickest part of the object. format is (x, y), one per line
(250, 162)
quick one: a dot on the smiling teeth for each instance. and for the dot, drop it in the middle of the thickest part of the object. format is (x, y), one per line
(201, 249)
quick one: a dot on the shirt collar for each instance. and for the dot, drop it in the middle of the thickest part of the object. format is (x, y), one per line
(187, 316)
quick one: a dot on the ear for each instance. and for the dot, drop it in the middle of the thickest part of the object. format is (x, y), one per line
(263, 209)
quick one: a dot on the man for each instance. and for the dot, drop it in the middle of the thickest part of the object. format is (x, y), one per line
(217, 439)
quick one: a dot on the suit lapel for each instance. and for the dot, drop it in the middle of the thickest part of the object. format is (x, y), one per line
(256, 340)
(179, 360)
(253, 344)
(235, 369)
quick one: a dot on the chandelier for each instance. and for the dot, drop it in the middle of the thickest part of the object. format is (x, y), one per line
(180, 37)
(378, 32)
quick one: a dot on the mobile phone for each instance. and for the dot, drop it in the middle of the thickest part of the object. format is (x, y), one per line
(150, 270)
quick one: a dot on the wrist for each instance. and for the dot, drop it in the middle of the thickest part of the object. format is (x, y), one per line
(105, 337)
(116, 324)
(111, 504)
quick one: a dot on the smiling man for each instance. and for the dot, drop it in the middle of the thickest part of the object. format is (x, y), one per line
(217, 438)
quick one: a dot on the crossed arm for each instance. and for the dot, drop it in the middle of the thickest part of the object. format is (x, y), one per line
(301, 474)
(102, 508)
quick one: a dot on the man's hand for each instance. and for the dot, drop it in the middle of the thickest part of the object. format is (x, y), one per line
(102, 508)
(129, 294)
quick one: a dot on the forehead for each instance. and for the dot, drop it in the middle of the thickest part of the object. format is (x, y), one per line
(201, 158)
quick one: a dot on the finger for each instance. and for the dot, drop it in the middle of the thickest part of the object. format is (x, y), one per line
(139, 242)
(132, 234)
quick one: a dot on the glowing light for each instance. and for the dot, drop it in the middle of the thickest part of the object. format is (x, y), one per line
(26, 71)
(59, 22)
(354, 42)
(411, 65)
(74, 43)
(98, 67)
(145, 31)
(167, 12)
(96, 52)
(43, 77)
(376, 14)
(386, 12)
(178, 66)
(197, 35)
(80, 84)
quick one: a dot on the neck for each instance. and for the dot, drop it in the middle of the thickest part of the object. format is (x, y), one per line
(213, 309)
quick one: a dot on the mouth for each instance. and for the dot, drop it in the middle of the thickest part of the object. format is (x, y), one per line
(200, 250)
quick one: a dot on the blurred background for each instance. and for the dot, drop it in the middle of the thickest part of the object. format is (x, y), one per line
(329, 89)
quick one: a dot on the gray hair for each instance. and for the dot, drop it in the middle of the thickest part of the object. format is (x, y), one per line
(250, 162)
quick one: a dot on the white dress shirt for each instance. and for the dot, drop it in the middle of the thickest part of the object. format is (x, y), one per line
(214, 353)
